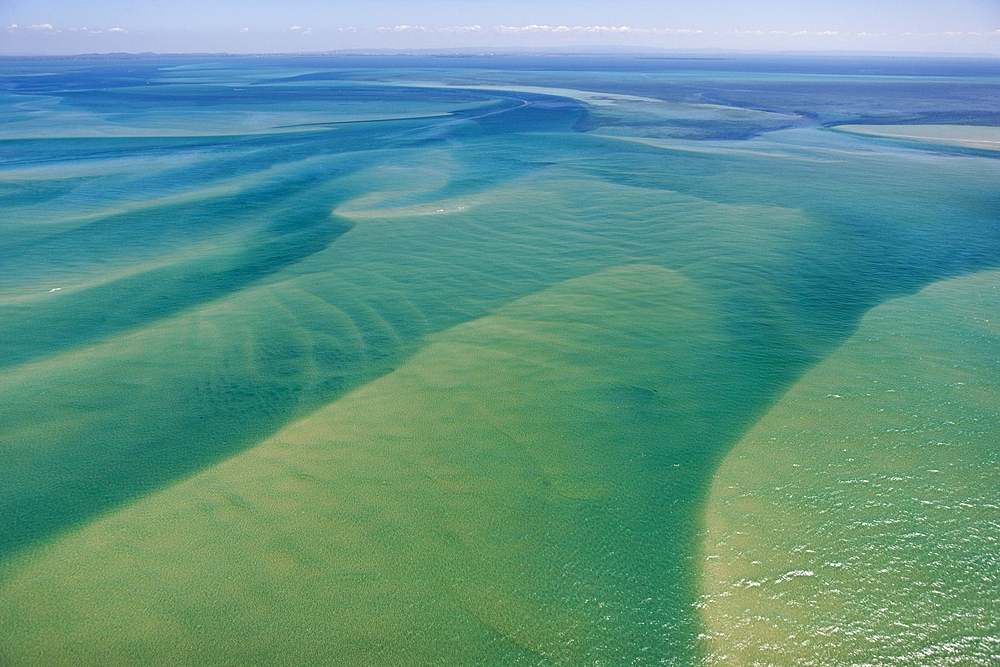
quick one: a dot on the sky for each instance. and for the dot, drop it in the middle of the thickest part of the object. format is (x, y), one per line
(61, 27)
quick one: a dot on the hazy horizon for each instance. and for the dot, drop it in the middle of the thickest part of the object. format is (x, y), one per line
(58, 27)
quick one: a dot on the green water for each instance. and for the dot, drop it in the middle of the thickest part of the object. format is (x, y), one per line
(461, 492)
(290, 378)
(857, 522)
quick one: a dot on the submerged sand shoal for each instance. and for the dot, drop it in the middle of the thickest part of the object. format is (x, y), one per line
(467, 508)
(856, 522)
(964, 136)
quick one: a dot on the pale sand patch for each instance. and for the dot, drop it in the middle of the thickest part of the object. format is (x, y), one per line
(587, 96)
(89, 278)
(365, 208)
(726, 147)
(73, 218)
(600, 99)
(966, 136)
(85, 125)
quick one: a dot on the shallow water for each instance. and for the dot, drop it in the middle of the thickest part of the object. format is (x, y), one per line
(287, 376)
(984, 138)
(857, 522)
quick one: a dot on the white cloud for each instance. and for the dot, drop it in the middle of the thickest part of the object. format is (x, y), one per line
(605, 28)
(420, 28)
(527, 28)
(503, 29)
(404, 28)
(296, 27)
(307, 31)
(245, 30)
(350, 29)
(562, 29)
(117, 30)
(44, 26)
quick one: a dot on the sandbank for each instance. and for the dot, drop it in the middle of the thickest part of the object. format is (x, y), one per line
(463, 508)
(856, 522)
(964, 136)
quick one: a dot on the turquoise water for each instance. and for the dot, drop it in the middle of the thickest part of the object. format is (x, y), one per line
(411, 360)
(856, 523)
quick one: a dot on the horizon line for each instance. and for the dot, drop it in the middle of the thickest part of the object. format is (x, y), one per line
(582, 50)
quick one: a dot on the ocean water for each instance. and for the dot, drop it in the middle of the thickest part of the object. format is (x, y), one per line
(497, 360)
(856, 523)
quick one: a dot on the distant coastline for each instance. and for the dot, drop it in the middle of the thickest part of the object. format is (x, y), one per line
(641, 53)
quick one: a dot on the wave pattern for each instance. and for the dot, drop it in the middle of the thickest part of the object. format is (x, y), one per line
(480, 290)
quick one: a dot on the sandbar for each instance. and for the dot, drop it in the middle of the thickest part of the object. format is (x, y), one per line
(964, 136)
